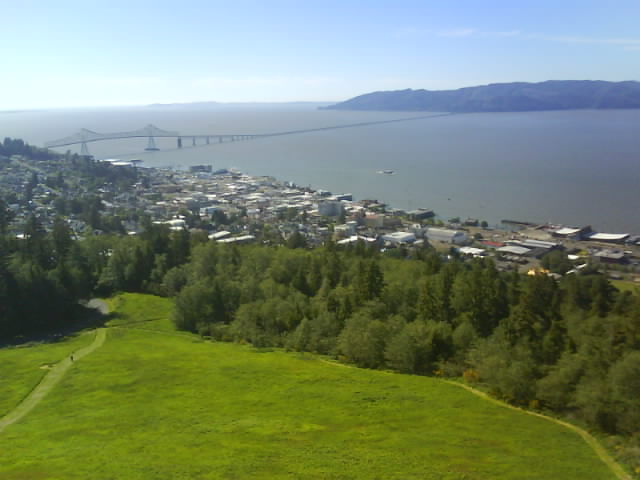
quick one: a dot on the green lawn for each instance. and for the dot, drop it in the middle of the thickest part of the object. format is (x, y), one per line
(145, 312)
(21, 368)
(160, 406)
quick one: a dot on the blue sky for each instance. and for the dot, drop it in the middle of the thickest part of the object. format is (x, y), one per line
(91, 53)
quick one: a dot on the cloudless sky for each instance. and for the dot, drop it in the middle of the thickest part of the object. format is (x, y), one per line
(114, 52)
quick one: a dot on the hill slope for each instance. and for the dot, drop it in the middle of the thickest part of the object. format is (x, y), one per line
(170, 406)
(504, 97)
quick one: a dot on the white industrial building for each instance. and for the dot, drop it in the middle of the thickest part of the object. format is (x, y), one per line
(399, 237)
(240, 239)
(356, 238)
(446, 236)
(515, 250)
(475, 252)
(219, 235)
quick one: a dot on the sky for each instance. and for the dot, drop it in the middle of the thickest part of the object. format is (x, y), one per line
(110, 52)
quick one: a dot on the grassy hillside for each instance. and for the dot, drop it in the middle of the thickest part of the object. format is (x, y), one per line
(22, 367)
(170, 406)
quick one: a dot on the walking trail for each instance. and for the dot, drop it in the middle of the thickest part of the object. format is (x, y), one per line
(56, 373)
(589, 439)
(614, 466)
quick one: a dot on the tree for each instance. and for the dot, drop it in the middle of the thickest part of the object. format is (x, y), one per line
(91, 207)
(218, 217)
(602, 296)
(593, 399)
(509, 370)
(401, 353)
(297, 240)
(31, 184)
(557, 388)
(482, 294)
(300, 340)
(435, 297)
(175, 279)
(35, 248)
(369, 280)
(625, 388)
(193, 306)
(556, 261)
(6, 215)
(8, 295)
(363, 340)
(179, 248)
(61, 236)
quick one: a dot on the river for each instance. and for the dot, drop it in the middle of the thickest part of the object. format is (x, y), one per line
(570, 167)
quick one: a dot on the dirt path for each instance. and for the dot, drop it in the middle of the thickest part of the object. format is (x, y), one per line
(614, 466)
(56, 373)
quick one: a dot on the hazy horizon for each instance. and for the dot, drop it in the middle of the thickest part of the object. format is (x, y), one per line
(262, 103)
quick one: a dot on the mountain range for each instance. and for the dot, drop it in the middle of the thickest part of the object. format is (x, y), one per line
(504, 97)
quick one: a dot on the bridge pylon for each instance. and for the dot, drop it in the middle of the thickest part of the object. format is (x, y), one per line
(151, 146)
(84, 149)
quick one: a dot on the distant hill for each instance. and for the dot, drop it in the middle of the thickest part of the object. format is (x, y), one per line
(239, 105)
(504, 97)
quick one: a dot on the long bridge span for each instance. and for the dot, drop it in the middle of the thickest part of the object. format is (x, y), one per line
(83, 137)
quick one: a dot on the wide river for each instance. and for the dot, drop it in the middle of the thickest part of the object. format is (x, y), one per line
(570, 167)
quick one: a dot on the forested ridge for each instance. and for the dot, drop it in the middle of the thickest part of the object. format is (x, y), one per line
(504, 97)
(571, 345)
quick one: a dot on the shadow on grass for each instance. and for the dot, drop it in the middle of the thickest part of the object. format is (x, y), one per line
(119, 320)
(83, 318)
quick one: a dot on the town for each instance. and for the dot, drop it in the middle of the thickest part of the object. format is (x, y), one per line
(117, 196)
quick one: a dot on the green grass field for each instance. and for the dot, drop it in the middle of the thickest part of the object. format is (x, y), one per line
(154, 405)
(21, 368)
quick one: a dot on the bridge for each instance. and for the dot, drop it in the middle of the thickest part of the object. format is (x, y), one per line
(84, 136)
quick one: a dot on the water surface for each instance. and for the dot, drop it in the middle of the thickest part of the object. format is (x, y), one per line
(572, 167)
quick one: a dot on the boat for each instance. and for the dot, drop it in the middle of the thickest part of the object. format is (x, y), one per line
(385, 172)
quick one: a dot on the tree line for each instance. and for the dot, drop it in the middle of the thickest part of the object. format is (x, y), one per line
(572, 346)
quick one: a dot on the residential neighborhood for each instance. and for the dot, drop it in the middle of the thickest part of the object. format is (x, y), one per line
(118, 196)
